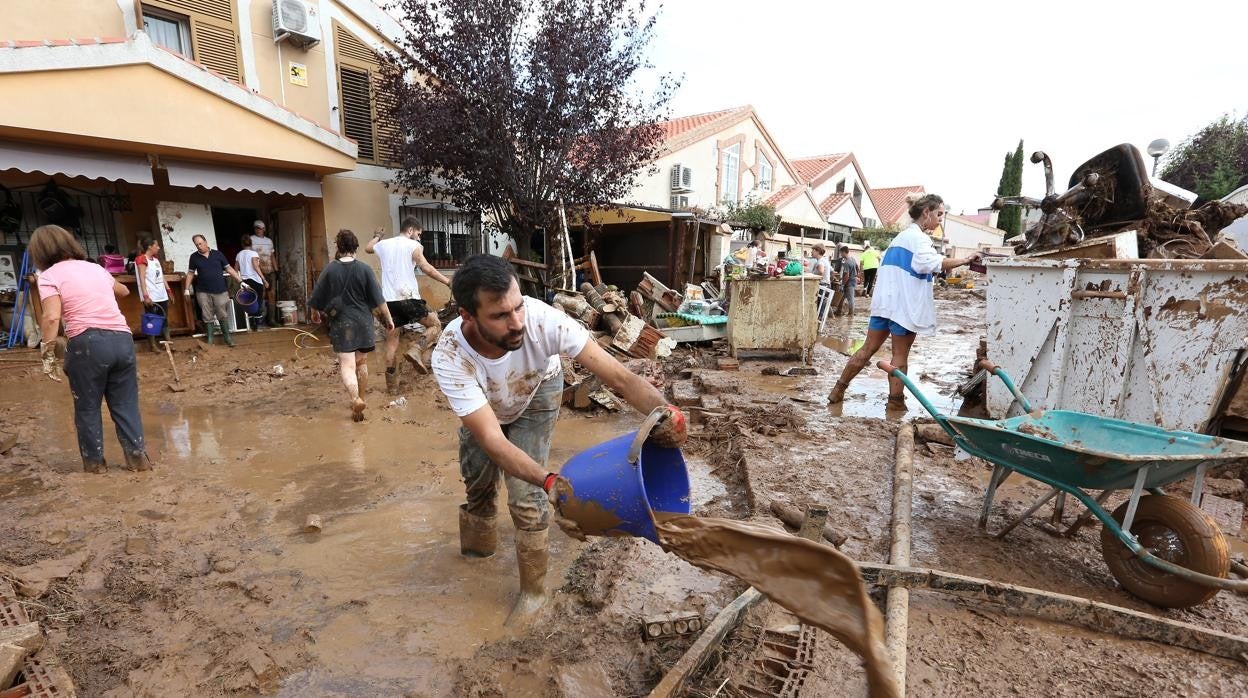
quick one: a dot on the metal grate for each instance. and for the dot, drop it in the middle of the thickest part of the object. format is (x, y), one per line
(449, 235)
(93, 225)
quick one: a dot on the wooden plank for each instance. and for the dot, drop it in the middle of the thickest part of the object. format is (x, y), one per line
(1062, 608)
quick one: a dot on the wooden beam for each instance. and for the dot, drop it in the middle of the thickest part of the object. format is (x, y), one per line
(1062, 608)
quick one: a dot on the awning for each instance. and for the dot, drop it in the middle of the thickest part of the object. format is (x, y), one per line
(200, 174)
(51, 160)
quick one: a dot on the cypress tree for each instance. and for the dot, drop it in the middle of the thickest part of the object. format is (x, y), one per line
(1011, 217)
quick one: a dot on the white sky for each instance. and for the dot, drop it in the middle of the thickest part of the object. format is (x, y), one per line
(936, 93)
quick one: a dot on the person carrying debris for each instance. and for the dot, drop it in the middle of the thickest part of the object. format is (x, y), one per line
(399, 256)
(206, 273)
(348, 296)
(99, 354)
(498, 365)
(902, 305)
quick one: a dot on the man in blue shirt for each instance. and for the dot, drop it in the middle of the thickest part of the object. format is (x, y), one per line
(207, 269)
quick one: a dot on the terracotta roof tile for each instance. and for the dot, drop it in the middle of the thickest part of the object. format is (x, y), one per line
(674, 128)
(784, 194)
(810, 168)
(891, 204)
(833, 202)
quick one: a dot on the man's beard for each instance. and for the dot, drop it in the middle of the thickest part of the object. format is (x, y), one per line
(510, 341)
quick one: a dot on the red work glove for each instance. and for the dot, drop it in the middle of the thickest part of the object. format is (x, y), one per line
(673, 431)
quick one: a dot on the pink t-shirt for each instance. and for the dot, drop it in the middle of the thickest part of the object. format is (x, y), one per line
(87, 300)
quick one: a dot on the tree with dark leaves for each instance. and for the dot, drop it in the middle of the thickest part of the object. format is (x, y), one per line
(1213, 162)
(510, 107)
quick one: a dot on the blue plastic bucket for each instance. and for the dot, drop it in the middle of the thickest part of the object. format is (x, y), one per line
(248, 300)
(152, 324)
(658, 481)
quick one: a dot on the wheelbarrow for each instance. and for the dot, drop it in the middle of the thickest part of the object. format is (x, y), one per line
(1162, 548)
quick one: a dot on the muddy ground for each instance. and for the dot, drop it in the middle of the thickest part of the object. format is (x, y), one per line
(198, 579)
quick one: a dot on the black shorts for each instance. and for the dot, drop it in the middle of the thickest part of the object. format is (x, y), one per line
(407, 311)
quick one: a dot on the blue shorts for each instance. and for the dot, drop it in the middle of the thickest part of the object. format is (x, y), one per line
(882, 323)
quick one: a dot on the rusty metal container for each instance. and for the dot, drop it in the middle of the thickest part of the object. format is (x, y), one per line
(773, 317)
(1150, 341)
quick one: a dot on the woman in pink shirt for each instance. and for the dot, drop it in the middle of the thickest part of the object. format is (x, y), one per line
(99, 355)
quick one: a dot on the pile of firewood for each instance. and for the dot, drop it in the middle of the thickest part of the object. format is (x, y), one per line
(604, 310)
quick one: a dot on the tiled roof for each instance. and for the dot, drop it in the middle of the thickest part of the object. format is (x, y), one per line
(833, 202)
(674, 128)
(891, 204)
(784, 195)
(810, 168)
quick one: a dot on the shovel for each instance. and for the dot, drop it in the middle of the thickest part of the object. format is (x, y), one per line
(176, 386)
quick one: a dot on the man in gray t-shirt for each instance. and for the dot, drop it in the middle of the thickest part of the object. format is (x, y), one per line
(849, 280)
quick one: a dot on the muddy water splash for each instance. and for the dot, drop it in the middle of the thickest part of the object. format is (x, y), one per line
(815, 582)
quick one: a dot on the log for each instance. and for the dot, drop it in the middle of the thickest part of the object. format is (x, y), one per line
(1062, 608)
(792, 516)
(595, 300)
(897, 608)
(933, 432)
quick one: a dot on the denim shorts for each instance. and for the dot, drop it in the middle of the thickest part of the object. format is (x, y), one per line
(882, 323)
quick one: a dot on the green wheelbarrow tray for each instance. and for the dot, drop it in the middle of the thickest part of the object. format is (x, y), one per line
(1075, 451)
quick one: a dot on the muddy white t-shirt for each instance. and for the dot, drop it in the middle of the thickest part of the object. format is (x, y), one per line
(398, 271)
(507, 384)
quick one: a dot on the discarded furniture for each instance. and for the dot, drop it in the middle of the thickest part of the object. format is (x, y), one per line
(774, 318)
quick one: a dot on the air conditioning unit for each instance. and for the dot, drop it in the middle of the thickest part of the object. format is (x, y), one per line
(296, 20)
(679, 203)
(682, 178)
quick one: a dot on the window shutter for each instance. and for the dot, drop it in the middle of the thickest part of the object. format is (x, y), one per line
(366, 108)
(357, 113)
(214, 39)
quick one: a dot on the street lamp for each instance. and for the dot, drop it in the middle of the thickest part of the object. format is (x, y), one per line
(1158, 148)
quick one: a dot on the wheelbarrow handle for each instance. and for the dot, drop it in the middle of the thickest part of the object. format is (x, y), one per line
(986, 365)
(999, 372)
(885, 367)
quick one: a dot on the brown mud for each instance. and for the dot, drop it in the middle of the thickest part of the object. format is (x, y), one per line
(813, 581)
(198, 578)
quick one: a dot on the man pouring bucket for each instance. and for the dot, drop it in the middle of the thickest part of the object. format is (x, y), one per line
(498, 365)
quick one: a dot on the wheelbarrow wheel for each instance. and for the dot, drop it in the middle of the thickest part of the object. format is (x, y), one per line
(1175, 530)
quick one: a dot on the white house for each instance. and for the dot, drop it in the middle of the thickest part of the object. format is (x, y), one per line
(710, 160)
(963, 236)
(845, 199)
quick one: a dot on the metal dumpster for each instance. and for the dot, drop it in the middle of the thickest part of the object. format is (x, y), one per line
(1151, 341)
(773, 317)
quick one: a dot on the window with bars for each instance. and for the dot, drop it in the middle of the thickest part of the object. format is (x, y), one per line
(449, 236)
(203, 30)
(89, 216)
(366, 109)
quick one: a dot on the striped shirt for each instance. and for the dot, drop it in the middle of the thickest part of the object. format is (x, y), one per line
(903, 284)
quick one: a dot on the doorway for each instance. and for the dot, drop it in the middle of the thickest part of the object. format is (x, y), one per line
(231, 224)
